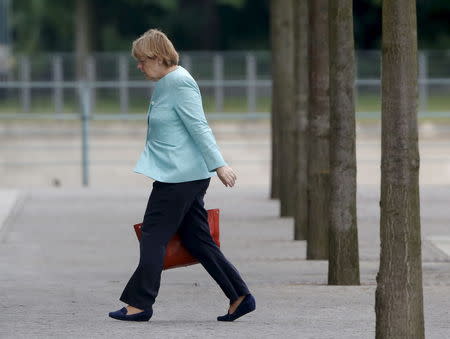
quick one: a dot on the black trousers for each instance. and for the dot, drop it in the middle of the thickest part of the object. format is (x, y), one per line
(178, 207)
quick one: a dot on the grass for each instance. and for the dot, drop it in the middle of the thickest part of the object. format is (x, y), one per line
(372, 103)
(108, 103)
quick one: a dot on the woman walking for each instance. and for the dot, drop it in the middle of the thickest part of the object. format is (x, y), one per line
(181, 155)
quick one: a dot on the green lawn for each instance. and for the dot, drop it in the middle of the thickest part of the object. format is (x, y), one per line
(372, 103)
(139, 104)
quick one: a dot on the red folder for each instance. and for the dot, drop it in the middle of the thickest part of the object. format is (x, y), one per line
(176, 254)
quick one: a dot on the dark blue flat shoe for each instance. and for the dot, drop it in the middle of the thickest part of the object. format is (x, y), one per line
(246, 306)
(122, 315)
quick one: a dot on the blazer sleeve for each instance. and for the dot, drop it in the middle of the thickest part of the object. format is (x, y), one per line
(189, 108)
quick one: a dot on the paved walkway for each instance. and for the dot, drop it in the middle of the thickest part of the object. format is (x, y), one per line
(53, 152)
(66, 254)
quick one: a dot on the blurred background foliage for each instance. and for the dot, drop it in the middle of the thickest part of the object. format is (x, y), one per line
(48, 25)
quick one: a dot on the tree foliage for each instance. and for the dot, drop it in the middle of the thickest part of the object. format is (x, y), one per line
(48, 25)
(40, 25)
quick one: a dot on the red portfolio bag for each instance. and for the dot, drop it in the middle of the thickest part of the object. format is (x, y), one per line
(176, 254)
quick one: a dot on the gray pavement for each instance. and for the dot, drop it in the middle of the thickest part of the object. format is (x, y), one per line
(67, 255)
(34, 155)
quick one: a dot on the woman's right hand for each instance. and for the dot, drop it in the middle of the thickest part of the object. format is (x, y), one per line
(226, 175)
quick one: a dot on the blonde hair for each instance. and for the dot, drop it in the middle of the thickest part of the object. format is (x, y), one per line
(155, 43)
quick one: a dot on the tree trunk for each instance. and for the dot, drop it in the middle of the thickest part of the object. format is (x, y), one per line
(343, 267)
(274, 117)
(83, 36)
(301, 111)
(318, 131)
(399, 295)
(211, 30)
(284, 121)
(288, 123)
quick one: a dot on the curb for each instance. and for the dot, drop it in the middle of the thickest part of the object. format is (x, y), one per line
(11, 201)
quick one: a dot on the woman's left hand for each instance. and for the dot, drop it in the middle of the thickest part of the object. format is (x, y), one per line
(226, 175)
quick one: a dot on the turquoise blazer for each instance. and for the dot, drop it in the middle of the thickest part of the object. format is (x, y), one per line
(180, 145)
